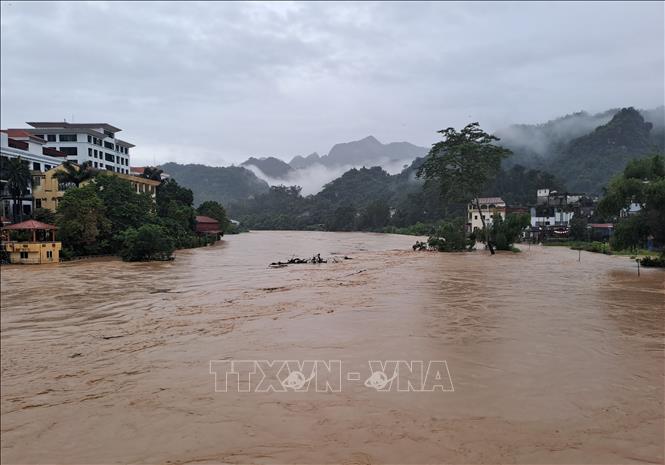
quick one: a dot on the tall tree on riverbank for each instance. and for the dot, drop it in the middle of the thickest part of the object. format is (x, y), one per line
(18, 183)
(462, 164)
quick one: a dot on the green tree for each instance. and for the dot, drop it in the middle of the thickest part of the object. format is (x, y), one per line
(17, 174)
(463, 163)
(152, 172)
(44, 215)
(505, 232)
(643, 183)
(578, 229)
(123, 206)
(148, 242)
(343, 218)
(214, 210)
(76, 174)
(450, 237)
(376, 215)
(81, 221)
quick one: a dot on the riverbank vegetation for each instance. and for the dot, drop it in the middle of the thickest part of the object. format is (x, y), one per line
(107, 216)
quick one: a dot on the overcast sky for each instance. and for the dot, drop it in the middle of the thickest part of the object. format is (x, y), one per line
(217, 82)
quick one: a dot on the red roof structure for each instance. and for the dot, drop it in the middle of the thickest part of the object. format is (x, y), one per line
(30, 225)
(205, 224)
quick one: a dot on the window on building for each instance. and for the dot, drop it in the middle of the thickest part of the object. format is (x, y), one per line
(38, 203)
(69, 150)
(89, 139)
(109, 167)
(67, 137)
(36, 166)
(49, 254)
(24, 255)
(27, 209)
(109, 157)
(47, 167)
(36, 181)
(51, 137)
(108, 133)
(89, 152)
(95, 164)
(476, 217)
(41, 136)
(108, 145)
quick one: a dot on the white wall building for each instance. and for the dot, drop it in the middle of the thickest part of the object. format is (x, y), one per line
(93, 142)
(16, 143)
(490, 207)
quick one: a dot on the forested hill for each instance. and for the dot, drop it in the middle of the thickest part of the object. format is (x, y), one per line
(586, 150)
(588, 162)
(223, 184)
(371, 199)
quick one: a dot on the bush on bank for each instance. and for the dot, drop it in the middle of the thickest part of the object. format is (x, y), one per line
(148, 242)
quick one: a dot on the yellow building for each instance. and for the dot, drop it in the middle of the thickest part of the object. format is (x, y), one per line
(47, 190)
(40, 246)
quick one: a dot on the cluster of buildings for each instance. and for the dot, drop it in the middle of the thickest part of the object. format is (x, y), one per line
(44, 146)
(551, 216)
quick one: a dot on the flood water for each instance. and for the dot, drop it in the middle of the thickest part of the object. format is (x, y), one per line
(552, 360)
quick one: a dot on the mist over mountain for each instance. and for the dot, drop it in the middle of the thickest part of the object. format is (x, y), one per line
(311, 173)
(588, 162)
(534, 144)
(270, 166)
(223, 184)
(581, 150)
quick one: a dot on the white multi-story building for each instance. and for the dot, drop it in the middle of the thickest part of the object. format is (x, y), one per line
(491, 207)
(81, 142)
(15, 143)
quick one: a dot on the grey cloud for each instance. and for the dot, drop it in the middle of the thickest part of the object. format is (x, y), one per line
(217, 82)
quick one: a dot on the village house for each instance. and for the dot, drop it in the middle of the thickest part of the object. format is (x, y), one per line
(490, 207)
(36, 247)
(553, 212)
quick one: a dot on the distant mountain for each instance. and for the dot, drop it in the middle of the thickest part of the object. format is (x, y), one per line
(300, 162)
(364, 152)
(224, 185)
(588, 162)
(270, 166)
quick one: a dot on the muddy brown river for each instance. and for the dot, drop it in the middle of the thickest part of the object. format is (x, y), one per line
(548, 360)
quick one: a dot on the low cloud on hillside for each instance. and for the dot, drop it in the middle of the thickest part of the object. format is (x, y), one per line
(313, 178)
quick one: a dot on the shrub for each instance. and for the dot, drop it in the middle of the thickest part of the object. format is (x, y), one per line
(450, 237)
(656, 262)
(148, 242)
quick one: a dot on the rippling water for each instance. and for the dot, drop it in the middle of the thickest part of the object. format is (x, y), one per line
(552, 360)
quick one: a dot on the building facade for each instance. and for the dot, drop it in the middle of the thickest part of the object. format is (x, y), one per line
(490, 207)
(39, 158)
(48, 190)
(81, 142)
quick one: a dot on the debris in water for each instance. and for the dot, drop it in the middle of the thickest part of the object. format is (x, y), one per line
(316, 259)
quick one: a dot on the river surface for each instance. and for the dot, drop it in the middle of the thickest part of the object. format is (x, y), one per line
(550, 360)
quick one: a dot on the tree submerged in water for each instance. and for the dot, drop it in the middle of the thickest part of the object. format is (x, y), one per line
(462, 164)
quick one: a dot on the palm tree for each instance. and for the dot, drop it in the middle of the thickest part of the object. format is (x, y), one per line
(18, 184)
(76, 174)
